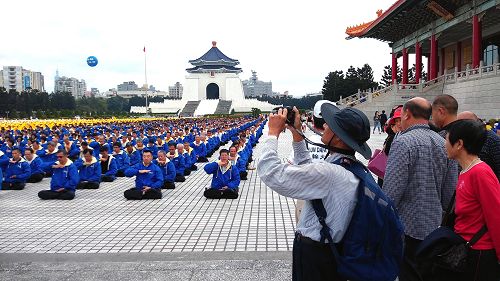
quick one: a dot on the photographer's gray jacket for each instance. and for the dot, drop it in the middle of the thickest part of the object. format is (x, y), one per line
(307, 181)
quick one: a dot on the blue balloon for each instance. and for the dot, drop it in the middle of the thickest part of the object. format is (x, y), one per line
(92, 61)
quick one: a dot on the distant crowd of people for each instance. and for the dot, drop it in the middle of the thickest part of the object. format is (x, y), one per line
(157, 153)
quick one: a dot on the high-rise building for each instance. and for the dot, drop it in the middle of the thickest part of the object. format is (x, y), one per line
(253, 87)
(69, 84)
(127, 86)
(19, 79)
(175, 91)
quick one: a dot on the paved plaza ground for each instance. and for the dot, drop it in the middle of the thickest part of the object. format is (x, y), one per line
(100, 235)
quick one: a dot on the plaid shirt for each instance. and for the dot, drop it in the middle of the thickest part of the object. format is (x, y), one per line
(420, 179)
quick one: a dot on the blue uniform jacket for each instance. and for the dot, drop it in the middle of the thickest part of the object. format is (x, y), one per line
(179, 163)
(36, 165)
(153, 179)
(21, 169)
(168, 170)
(112, 167)
(200, 149)
(134, 157)
(90, 172)
(231, 178)
(122, 160)
(66, 177)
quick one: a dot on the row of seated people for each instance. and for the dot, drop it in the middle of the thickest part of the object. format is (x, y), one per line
(231, 168)
(174, 165)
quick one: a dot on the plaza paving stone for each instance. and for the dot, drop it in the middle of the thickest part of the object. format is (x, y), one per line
(101, 222)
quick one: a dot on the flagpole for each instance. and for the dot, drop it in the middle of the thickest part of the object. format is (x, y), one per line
(146, 80)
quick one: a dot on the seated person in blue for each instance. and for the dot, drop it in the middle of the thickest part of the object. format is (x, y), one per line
(4, 161)
(226, 178)
(168, 169)
(238, 161)
(35, 163)
(64, 179)
(187, 161)
(49, 157)
(200, 149)
(122, 160)
(17, 172)
(109, 167)
(151, 146)
(178, 161)
(134, 156)
(71, 148)
(148, 179)
(190, 154)
(89, 170)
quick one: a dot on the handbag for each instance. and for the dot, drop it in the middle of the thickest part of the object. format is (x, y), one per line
(378, 163)
(445, 249)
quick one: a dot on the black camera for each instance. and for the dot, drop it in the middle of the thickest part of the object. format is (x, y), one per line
(290, 115)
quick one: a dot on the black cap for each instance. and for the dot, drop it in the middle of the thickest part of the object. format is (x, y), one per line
(351, 125)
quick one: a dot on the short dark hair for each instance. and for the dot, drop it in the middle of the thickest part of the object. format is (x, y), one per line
(103, 148)
(418, 111)
(29, 149)
(117, 144)
(471, 132)
(223, 151)
(87, 151)
(147, 151)
(62, 151)
(448, 102)
(16, 149)
(318, 122)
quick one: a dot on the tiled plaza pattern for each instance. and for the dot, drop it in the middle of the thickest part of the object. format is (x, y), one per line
(181, 224)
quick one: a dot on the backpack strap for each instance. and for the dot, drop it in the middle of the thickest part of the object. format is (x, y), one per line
(320, 211)
(478, 236)
(319, 208)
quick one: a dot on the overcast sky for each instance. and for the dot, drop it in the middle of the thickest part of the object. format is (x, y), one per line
(294, 44)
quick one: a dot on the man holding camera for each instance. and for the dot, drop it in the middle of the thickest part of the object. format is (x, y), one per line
(345, 132)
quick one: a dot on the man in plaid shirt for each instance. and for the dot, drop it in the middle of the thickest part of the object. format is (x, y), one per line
(419, 179)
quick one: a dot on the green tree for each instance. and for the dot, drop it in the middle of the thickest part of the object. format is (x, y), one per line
(333, 86)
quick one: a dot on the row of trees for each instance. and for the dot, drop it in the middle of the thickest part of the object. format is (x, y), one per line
(62, 104)
(339, 84)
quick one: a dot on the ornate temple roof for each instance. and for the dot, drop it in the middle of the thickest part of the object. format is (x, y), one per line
(219, 68)
(403, 18)
(214, 59)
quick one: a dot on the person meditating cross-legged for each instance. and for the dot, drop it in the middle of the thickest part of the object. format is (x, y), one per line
(109, 166)
(64, 179)
(148, 180)
(226, 178)
(89, 170)
(36, 166)
(167, 168)
(17, 172)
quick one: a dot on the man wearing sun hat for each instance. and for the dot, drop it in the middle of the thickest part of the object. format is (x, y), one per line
(345, 132)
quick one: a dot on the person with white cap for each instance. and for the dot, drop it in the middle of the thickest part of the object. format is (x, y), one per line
(346, 131)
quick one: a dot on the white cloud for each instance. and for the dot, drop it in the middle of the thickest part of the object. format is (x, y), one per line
(292, 43)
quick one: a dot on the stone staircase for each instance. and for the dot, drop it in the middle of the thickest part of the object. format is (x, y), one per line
(189, 109)
(224, 107)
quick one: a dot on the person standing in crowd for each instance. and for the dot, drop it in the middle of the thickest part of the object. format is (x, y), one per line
(376, 122)
(89, 170)
(225, 180)
(35, 163)
(167, 168)
(346, 131)
(444, 113)
(419, 179)
(477, 201)
(383, 120)
(393, 127)
(148, 179)
(64, 179)
(17, 172)
(490, 152)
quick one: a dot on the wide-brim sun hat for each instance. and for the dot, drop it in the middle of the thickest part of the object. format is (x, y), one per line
(351, 125)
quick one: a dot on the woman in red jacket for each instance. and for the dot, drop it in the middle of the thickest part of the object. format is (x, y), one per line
(477, 200)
